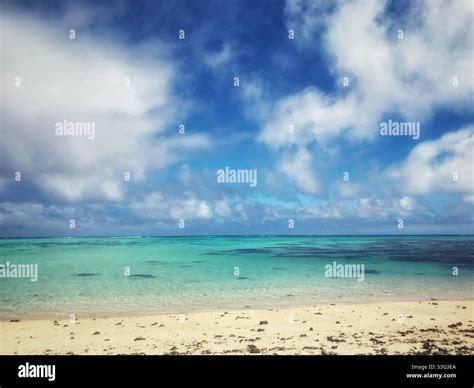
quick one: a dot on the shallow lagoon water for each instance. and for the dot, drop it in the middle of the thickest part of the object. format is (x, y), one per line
(121, 276)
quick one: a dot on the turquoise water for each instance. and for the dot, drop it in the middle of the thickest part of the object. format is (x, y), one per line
(87, 276)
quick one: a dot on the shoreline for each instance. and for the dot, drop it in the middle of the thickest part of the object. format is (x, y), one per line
(395, 327)
(4, 317)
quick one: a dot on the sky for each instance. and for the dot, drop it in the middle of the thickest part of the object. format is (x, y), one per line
(121, 118)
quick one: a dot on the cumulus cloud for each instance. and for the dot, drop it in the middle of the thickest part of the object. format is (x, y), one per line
(377, 208)
(298, 166)
(412, 75)
(159, 207)
(330, 210)
(430, 67)
(366, 208)
(222, 208)
(351, 189)
(442, 165)
(127, 92)
(311, 115)
(168, 206)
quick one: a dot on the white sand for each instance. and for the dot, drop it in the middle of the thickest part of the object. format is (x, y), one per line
(437, 327)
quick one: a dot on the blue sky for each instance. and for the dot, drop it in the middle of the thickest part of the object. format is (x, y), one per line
(348, 67)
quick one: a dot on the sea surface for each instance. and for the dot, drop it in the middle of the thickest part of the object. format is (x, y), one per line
(108, 276)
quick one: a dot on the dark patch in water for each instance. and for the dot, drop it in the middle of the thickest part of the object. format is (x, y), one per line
(198, 261)
(297, 256)
(305, 252)
(143, 275)
(277, 268)
(415, 259)
(85, 274)
(185, 266)
(240, 251)
(157, 262)
(242, 278)
(372, 271)
(251, 250)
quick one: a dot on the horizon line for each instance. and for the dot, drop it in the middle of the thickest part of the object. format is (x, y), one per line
(246, 235)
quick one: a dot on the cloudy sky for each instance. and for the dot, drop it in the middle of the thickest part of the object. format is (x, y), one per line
(177, 90)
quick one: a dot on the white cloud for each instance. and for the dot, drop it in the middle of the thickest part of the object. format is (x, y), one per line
(313, 115)
(365, 208)
(156, 206)
(442, 165)
(376, 208)
(331, 210)
(410, 77)
(84, 80)
(222, 208)
(351, 189)
(190, 208)
(298, 166)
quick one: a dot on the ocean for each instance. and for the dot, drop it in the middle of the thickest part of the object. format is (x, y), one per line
(107, 276)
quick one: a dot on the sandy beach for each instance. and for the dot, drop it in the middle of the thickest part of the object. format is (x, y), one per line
(428, 327)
